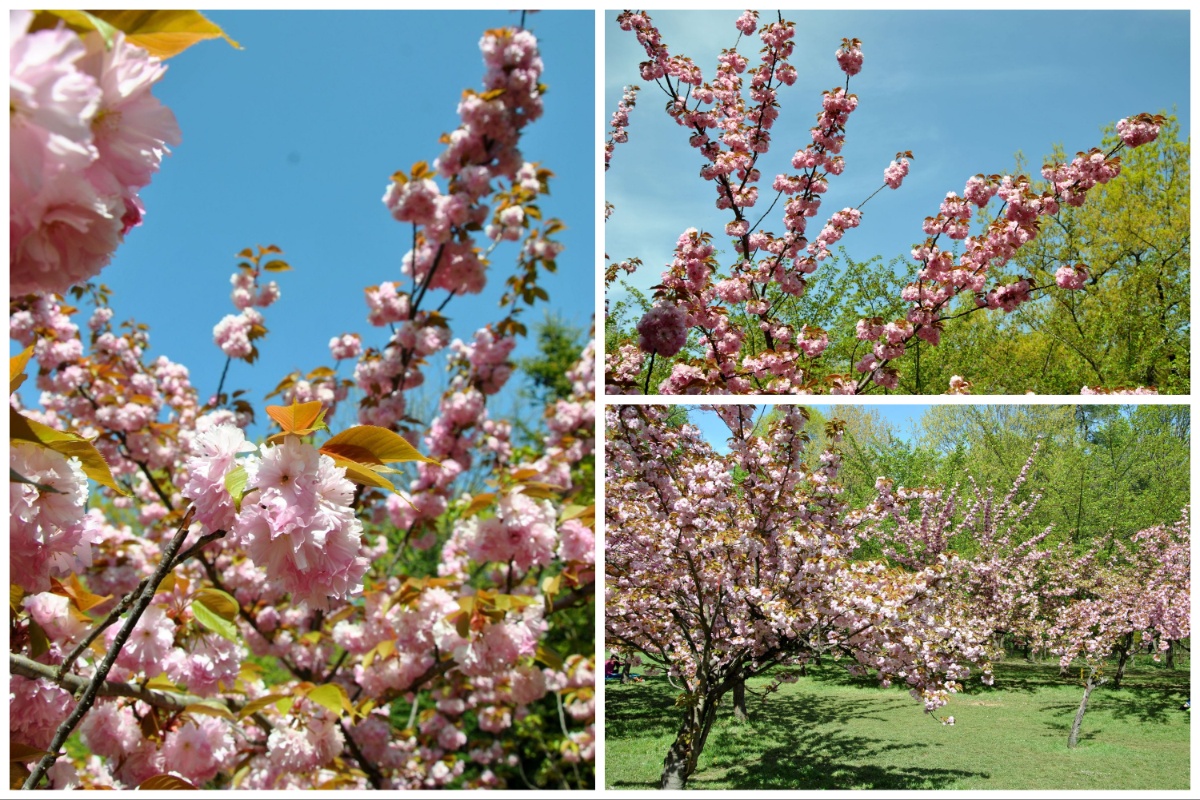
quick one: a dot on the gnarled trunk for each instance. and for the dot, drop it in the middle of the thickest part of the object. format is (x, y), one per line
(685, 751)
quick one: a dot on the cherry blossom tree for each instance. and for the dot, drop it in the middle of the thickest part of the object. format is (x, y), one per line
(296, 612)
(1091, 604)
(725, 329)
(721, 579)
(1140, 597)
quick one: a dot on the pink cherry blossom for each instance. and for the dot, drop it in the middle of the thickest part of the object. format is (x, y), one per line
(663, 330)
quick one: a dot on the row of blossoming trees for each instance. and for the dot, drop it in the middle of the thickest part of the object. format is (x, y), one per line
(729, 329)
(721, 568)
(214, 611)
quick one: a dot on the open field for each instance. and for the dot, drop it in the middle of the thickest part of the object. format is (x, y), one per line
(830, 731)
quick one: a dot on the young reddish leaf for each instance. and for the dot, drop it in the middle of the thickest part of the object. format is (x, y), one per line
(23, 429)
(277, 266)
(539, 490)
(298, 418)
(210, 708)
(525, 473)
(478, 503)
(361, 474)
(16, 368)
(74, 589)
(345, 613)
(164, 33)
(371, 444)
(23, 752)
(288, 382)
(161, 783)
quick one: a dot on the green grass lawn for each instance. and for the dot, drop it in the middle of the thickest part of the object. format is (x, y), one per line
(830, 731)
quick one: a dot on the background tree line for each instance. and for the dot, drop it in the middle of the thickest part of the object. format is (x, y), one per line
(1105, 471)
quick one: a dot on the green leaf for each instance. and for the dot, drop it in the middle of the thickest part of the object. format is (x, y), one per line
(69, 445)
(16, 477)
(83, 21)
(161, 683)
(547, 656)
(39, 643)
(235, 484)
(260, 703)
(332, 697)
(214, 622)
(220, 603)
(276, 266)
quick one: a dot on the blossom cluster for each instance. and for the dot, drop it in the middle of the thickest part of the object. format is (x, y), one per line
(86, 135)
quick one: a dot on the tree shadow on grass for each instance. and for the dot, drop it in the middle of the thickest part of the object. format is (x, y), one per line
(1143, 704)
(1062, 715)
(640, 709)
(791, 742)
(800, 746)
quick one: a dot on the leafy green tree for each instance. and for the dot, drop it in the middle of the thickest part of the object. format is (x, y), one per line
(558, 346)
(1129, 326)
(1106, 471)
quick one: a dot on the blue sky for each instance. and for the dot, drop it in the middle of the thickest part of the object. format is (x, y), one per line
(292, 141)
(901, 417)
(964, 90)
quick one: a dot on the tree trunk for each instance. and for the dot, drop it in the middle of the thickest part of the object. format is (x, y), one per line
(684, 752)
(1092, 683)
(625, 671)
(1171, 655)
(1122, 659)
(739, 701)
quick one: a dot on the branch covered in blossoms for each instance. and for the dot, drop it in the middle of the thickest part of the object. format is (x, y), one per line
(731, 329)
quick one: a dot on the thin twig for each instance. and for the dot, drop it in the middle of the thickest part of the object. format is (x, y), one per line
(373, 773)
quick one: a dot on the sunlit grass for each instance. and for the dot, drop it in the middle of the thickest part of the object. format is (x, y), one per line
(829, 731)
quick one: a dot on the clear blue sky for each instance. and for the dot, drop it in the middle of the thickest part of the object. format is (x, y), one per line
(292, 141)
(964, 90)
(901, 417)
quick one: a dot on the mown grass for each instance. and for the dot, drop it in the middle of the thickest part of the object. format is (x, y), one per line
(830, 731)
